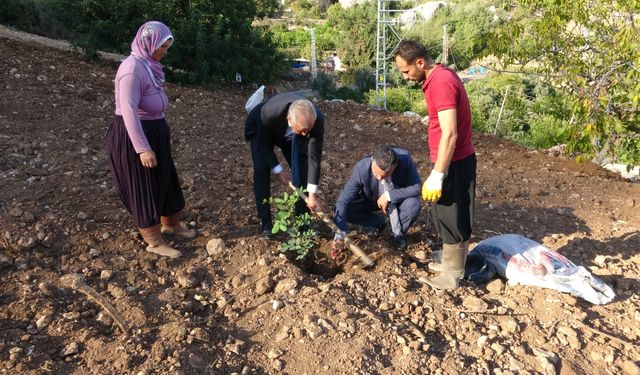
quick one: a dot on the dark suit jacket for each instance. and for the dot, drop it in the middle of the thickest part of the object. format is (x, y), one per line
(268, 122)
(363, 186)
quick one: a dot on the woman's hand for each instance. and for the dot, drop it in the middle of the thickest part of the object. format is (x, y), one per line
(148, 159)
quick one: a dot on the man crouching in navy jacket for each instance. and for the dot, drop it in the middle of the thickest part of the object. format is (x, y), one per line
(388, 181)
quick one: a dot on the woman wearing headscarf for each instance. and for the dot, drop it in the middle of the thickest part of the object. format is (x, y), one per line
(139, 145)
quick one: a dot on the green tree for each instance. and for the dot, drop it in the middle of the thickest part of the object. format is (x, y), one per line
(591, 52)
(267, 8)
(469, 24)
(214, 40)
(355, 33)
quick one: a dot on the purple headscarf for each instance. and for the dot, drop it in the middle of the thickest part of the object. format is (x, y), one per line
(149, 38)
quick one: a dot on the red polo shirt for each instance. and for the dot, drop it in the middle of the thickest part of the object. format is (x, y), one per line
(443, 89)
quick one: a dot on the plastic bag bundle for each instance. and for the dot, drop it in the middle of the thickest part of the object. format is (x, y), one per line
(519, 259)
(255, 99)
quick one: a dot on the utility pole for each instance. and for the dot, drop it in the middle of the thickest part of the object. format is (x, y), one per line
(395, 23)
(314, 62)
(504, 99)
(445, 45)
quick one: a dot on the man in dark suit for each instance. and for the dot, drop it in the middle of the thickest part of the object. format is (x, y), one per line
(387, 181)
(296, 126)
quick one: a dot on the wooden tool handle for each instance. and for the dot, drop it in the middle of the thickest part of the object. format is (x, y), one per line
(367, 262)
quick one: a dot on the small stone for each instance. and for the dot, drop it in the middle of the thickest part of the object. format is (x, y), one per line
(277, 305)
(94, 252)
(72, 315)
(106, 274)
(508, 327)
(572, 336)
(48, 240)
(278, 365)
(43, 322)
(104, 318)
(482, 341)
(69, 350)
(215, 246)
(264, 286)
(499, 349)
(325, 324)
(314, 331)
(601, 260)
(116, 291)
(262, 261)
(28, 217)
(286, 285)
(274, 353)
(474, 303)
(495, 286)
(15, 352)
(185, 279)
(421, 255)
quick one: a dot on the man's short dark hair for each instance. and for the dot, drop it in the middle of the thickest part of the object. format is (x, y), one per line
(385, 158)
(410, 51)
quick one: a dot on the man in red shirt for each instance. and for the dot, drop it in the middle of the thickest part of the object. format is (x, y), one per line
(451, 184)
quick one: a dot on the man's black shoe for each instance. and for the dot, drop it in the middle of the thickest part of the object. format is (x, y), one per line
(400, 243)
(382, 226)
(265, 231)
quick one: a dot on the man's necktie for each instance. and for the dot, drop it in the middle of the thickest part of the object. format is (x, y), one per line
(295, 161)
(394, 218)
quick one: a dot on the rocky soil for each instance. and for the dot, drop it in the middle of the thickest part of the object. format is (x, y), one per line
(232, 303)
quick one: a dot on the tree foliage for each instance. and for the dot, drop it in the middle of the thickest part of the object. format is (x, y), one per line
(469, 24)
(590, 50)
(214, 39)
(355, 33)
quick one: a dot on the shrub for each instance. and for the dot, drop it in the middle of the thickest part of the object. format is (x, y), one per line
(401, 99)
(300, 239)
(324, 84)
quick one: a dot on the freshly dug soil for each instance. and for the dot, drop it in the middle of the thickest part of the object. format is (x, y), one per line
(261, 313)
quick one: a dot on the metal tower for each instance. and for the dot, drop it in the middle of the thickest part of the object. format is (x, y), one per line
(396, 23)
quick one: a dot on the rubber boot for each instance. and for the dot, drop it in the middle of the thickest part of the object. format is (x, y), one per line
(157, 244)
(437, 266)
(172, 225)
(454, 257)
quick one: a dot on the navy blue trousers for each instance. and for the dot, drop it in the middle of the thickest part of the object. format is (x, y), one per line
(262, 176)
(367, 214)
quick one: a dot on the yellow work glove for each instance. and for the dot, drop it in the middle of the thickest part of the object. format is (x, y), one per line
(432, 187)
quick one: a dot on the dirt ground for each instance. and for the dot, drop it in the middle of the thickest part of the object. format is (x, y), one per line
(261, 313)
